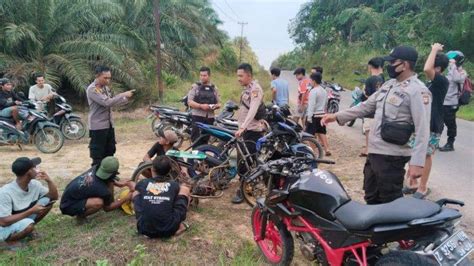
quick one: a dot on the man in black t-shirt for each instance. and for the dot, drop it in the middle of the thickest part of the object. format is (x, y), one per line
(94, 190)
(160, 203)
(436, 63)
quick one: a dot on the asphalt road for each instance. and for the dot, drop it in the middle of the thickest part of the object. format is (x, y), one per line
(452, 172)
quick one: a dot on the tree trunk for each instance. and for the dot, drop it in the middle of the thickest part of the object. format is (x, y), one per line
(157, 15)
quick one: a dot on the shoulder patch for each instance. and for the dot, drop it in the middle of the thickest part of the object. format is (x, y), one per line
(426, 97)
(255, 93)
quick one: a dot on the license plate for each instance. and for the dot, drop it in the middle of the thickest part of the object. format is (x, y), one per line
(454, 249)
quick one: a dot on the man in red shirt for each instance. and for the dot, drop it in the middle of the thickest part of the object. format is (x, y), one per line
(303, 92)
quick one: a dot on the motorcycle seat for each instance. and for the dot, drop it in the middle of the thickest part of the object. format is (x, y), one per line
(231, 132)
(360, 217)
(178, 113)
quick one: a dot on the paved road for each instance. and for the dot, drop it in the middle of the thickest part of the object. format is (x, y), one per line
(452, 175)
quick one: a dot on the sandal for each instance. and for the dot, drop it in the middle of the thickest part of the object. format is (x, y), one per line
(362, 154)
(419, 195)
(408, 190)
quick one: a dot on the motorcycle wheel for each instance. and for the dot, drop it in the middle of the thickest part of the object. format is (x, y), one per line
(251, 191)
(168, 126)
(315, 146)
(333, 107)
(49, 140)
(154, 124)
(278, 245)
(144, 171)
(74, 129)
(408, 258)
(200, 169)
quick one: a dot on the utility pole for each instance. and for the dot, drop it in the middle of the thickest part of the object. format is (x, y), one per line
(157, 15)
(242, 24)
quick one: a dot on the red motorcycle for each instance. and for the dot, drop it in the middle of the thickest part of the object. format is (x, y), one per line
(332, 229)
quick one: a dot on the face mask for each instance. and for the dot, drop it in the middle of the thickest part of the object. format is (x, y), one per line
(392, 73)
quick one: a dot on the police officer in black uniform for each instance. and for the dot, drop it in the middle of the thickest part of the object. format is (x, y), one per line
(203, 98)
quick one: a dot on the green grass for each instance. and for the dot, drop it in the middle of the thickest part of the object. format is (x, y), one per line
(467, 112)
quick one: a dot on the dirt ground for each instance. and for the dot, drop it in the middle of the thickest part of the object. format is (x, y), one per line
(220, 231)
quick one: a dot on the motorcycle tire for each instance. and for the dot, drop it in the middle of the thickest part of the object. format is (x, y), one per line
(154, 124)
(406, 258)
(168, 126)
(77, 124)
(333, 107)
(251, 191)
(314, 145)
(276, 232)
(209, 150)
(48, 134)
(144, 171)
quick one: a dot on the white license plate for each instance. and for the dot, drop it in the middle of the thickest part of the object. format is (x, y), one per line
(454, 249)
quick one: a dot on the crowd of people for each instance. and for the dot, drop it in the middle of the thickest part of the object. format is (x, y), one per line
(404, 120)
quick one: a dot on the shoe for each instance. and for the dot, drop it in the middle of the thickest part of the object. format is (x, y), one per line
(447, 147)
(419, 195)
(237, 199)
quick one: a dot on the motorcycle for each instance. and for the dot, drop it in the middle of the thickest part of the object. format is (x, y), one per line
(334, 97)
(36, 128)
(332, 229)
(70, 124)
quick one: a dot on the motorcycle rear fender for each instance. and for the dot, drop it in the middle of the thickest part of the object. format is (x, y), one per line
(71, 115)
(445, 215)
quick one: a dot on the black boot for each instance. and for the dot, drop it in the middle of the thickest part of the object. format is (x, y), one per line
(448, 147)
(237, 199)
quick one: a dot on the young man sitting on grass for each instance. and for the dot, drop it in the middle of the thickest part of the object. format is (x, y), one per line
(25, 201)
(160, 203)
(94, 190)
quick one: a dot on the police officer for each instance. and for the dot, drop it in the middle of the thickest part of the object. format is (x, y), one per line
(406, 99)
(101, 100)
(203, 98)
(251, 102)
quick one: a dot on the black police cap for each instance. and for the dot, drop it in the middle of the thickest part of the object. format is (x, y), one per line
(405, 53)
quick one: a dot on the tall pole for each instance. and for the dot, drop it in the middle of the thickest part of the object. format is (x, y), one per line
(242, 24)
(157, 15)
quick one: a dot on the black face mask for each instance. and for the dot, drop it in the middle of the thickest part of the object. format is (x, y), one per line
(392, 73)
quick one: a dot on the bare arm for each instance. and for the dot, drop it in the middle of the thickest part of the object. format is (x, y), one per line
(430, 61)
(9, 220)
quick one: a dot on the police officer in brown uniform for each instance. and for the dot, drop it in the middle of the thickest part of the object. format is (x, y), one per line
(203, 98)
(402, 106)
(101, 101)
(251, 112)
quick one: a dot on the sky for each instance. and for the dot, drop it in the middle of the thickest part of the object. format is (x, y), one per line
(267, 28)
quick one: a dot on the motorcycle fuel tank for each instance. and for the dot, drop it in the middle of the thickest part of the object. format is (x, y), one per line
(319, 191)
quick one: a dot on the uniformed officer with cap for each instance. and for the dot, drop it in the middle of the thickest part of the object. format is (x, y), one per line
(407, 101)
(101, 101)
(250, 128)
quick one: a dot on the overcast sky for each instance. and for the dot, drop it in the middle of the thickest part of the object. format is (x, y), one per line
(267, 28)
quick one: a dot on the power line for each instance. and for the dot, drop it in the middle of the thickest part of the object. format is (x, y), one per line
(231, 9)
(218, 7)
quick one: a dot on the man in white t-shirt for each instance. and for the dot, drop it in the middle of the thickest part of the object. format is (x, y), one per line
(24, 201)
(41, 92)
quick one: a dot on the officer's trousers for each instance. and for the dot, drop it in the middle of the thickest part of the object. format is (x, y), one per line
(250, 139)
(449, 116)
(383, 177)
(102, 144)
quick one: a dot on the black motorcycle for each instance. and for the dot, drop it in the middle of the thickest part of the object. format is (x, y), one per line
(36, 128)
(70, 124)
(332, 229)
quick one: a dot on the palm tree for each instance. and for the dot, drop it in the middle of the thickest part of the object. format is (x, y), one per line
(65, 39)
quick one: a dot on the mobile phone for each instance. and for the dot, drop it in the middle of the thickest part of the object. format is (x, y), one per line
(50, 203)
